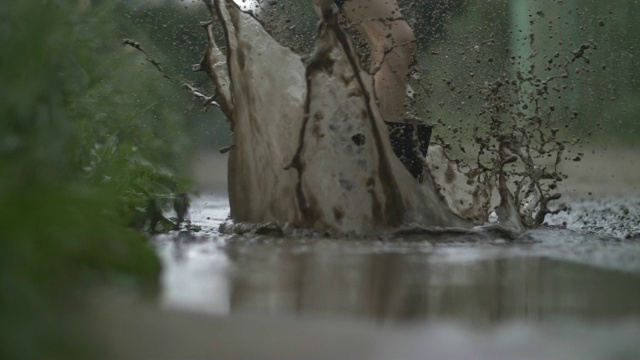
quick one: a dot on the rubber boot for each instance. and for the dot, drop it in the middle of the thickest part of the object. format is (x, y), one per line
(410, 143)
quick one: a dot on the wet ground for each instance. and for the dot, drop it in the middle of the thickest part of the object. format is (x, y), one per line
(545, 272)
(552, 293)
(568, 291)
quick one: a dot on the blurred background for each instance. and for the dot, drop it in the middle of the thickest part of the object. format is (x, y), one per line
(95, 142)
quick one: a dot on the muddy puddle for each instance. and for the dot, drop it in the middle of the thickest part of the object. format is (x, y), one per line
(569, 289)
(500, 298)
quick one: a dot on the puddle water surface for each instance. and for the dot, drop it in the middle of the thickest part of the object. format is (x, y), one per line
(561, 294)
(543, 274)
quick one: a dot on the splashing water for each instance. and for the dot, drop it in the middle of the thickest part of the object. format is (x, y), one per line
(295, 160)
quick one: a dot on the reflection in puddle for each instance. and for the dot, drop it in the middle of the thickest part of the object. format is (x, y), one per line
(397, 286)
(471, 283)
(195, 272)
(195, 277)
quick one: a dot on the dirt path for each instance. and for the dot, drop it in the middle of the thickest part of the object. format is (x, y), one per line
(601, 172)
(604, 172)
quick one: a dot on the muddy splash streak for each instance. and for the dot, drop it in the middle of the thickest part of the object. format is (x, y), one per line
(503, 105)
(330, 33)
(522, 135)
(316, 115)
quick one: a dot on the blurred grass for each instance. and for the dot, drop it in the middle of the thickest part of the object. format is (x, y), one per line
(86, 139)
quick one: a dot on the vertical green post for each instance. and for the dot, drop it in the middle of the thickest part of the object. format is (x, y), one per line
(521, 30)
(571, 6)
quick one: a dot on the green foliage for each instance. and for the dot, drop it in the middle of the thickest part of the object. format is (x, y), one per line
(172, 28)
(88, 135)
(60, 238)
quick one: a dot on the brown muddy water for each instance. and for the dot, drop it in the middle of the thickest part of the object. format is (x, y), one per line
(543, 273)
(566, 292)
(551, 294)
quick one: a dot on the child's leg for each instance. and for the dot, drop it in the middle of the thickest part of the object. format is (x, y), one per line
(393, 47)
(392, 44)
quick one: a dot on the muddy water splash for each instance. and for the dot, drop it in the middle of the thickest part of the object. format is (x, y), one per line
(520, 148)
(310, 148)
(504, 103)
